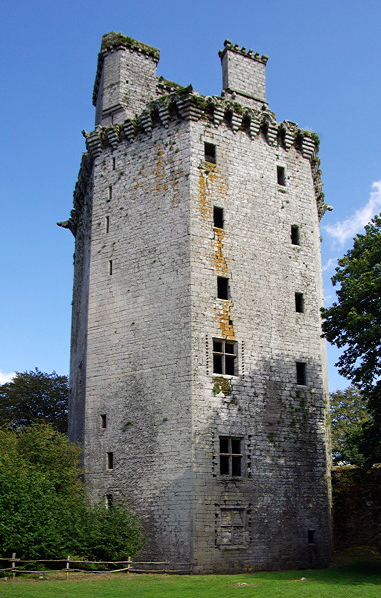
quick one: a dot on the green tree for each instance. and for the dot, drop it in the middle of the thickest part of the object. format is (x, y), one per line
(43, 511)
(353, 323)
(33, 396)
(348, 414)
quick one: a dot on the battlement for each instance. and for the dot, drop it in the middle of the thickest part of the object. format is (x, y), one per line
(187, 105)
(242, 51)
(113, 40)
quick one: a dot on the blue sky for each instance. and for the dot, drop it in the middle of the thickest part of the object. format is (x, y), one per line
(323, 73)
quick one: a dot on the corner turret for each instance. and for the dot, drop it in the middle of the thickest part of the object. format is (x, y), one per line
(125, 79)
(243, 75)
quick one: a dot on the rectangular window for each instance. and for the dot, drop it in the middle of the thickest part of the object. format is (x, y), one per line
(311, 536)
(218, 217)
(281, 175)
(103, 421)
(109, 501)
(299, 303)
(107, 224)
(222, 287)
(232, 528)
(230, 456)
(295, 234)
(110, 460)
(301, 371)
(210, 152)
(113, 163)
(110, 267)
(224, 357)
(110, 192)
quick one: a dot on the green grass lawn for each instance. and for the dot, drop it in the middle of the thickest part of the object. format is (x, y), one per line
(361, 579)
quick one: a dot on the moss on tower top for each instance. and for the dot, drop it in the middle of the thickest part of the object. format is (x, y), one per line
(116, 40)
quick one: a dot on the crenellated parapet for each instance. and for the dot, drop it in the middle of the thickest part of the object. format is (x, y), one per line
(242, 51)
(187, 105)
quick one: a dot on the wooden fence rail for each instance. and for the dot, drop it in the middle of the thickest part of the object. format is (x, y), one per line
(130, 566)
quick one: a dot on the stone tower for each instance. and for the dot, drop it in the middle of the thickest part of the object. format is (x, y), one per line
(197, 369)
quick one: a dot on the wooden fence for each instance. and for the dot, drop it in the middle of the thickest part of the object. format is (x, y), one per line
(128, 566)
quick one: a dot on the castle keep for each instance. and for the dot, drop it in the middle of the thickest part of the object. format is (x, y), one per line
(197, 368)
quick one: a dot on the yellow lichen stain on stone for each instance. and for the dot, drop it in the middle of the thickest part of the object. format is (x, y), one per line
(219, 261)
(159, 172)
(212, 188)
(223, 314)
(205, 204)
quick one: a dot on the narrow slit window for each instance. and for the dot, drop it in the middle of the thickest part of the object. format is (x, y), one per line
(299, 303)
(110, 267)
(110, 460)
(224, 357)
(230, 456)
(218, 217)
(311, 536)
(210, 152)
(113, 163)
(281, 175)
(109, 501)
(301, 373)
(222, 287)
(110, 192)
(103, 421)
(295, 240)
(107, 224)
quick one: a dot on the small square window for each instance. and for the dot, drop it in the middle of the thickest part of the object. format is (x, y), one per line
(218, 217)
(222, 287)
(224, 357)
(231, 456)
(299, 303)
(210, 152)
(281, 175)
(301, 371)
(295, 234)
(110, 460)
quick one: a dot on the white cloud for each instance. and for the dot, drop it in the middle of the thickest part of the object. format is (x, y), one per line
(348, 228)
(330, 264)
(4, 377)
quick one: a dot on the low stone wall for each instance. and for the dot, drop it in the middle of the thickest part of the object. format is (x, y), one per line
(356, 507)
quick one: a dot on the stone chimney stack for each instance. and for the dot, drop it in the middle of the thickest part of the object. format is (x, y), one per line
(125, 79)
(243, 75)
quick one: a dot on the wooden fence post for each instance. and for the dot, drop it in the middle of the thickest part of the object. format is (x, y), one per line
(67, 566)
(129, 564)
(13, 565)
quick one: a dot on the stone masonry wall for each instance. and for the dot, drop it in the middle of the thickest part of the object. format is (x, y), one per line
(138, 372)
(283, 492)
(149, 396)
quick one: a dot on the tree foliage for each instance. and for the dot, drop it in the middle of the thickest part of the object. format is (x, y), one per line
(43, 511)
(353, 323)
(348, 414)
(35, 396)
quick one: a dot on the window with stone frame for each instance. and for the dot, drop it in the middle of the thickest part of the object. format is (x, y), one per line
(231, 456)
(224, 357)
(231, 531)
(210, 152)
